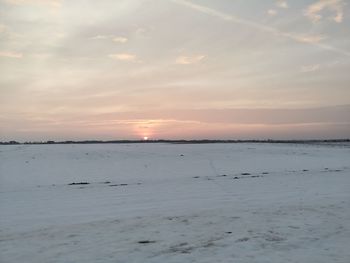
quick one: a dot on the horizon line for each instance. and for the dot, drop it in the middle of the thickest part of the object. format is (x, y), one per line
(14, 142)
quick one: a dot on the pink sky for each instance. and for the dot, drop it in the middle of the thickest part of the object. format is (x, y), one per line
(174, 69)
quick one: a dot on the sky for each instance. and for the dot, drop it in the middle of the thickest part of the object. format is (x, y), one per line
(174, 69)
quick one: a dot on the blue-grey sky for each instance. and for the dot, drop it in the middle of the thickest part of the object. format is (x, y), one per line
(126, 69)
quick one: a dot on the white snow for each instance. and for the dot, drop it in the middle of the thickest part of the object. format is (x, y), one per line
(171, 203)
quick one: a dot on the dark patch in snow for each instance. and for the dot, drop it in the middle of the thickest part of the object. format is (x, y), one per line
(294, 227)
(146, 241)
(182, 248)
(253, 176)
(274, 238)
(243, 239)
(118, 184)
(81, 183)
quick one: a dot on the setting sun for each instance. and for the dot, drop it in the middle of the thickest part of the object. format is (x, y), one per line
(145, 138)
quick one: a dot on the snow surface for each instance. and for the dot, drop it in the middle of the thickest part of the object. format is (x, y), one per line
(175, 203)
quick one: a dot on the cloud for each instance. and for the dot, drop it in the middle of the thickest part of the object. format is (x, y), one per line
(279, 4)
(317, 67)
(10, 54)
(187, 60)
(310, 68)
(117, 39)
(259, 26)
(120, 39)
(124, 57)
(272, 12)
(311, 39)
(313, 12)
(52, 3)
(282, 4)
(329, 114)
(98, 37)
(3, 28)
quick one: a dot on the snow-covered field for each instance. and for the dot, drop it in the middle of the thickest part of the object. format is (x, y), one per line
(175, 203)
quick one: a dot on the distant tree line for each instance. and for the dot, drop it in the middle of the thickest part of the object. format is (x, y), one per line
(178, 141)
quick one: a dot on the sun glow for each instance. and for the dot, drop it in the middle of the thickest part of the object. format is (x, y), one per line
(145, 138)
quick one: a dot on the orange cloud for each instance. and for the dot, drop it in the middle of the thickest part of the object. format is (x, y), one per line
(10, 54)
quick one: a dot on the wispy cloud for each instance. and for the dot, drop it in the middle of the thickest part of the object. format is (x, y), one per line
(187, 60)
(323, 66)
(312, 39)
(282, 4)
(10, 54)
(98, 37)
(124, 57)
(120, 39)
(310, 68)
(260, 27)
(279, 4)
(116, 39)
(313, 12)
(241, 115)
(52, 3)
(3, 28)
(272, 12)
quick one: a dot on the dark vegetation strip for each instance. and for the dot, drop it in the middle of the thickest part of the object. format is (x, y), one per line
(179, 141)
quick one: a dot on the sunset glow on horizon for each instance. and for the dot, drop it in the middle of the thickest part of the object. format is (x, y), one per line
(174, 69)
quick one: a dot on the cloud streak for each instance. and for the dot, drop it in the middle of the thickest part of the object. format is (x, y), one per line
(116, 39)
(272, 12)
(282, 4)
(120, 40)
(124, 57)
(101, 37)
(335, 114)
(310, 68)
(313, 11)
(52, 3)
(187, 60)
(311, 40)
(10, 54)
(2, 28)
